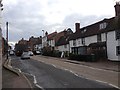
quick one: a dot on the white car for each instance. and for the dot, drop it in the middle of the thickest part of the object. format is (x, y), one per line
(11, 52)
(38, 52)
(25, 55)
(30, 53)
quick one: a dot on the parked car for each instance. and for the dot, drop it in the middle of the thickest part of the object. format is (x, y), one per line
(38, 52)
(11, 52)
(25, 55)
(18, 53)
(30, 53)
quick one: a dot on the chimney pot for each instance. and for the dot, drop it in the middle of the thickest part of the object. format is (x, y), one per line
(77, 27)
(117, 9)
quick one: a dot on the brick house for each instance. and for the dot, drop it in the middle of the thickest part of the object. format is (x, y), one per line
(35, 43)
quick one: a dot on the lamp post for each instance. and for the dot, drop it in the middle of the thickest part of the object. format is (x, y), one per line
(43, 33)
(42, 38)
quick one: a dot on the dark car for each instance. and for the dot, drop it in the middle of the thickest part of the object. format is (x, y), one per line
(18, 53)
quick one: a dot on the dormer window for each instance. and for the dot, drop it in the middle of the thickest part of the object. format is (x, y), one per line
(103, 25)
(84, 30)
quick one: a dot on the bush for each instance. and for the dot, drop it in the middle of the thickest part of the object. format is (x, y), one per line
(82, 57)
(51, 53)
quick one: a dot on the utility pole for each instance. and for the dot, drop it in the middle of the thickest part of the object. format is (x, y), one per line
(7, 37)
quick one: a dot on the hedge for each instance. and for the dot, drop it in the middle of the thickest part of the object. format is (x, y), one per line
(82, 57)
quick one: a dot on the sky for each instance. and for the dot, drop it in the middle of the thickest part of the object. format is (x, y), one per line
(29, 17)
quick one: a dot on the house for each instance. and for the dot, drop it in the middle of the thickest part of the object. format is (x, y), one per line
(21, 46)
(62, 43)
(102, 37)
(35, 43)
(54, 40)
(49, 40)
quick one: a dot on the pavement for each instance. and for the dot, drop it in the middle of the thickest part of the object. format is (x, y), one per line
(100, 64)
(11, 78)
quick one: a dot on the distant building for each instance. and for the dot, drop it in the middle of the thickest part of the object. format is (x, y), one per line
(34, 43)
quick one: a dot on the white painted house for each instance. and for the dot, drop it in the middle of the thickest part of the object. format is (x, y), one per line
(57, 41)
(63, 44)
(103, 35)
(49, 40)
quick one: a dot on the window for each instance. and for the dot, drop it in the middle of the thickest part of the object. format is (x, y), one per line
(117, 34)
(99, 38)
(83, 41)
(78, 42)
(102, 25)
(65, 46)
(118, 50)
(74, 42)
(83, 30)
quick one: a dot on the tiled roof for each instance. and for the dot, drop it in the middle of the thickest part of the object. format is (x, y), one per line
(93, 29)
(63, 41)
(51, 36)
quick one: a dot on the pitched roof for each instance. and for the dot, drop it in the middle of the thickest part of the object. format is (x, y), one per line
(94, 28)
(51, 36)
(62, 41)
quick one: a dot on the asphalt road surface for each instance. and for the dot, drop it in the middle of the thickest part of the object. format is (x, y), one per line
(48, 76)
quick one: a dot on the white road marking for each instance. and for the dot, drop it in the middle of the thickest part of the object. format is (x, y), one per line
(108, 83)
(34, 78)
(76, 74)
(54, 65)
(65, 69)
(39, 86)
(81, 76)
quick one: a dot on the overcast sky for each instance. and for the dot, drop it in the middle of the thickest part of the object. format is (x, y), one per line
(29, 17)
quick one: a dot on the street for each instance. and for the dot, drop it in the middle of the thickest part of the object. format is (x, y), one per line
(49, 76)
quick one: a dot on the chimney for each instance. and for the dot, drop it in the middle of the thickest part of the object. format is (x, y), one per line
(117, 9)
(77, 27)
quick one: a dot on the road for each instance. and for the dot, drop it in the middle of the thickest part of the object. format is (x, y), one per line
(49, 76)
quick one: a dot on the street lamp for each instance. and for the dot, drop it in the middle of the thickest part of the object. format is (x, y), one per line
(43, 33)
